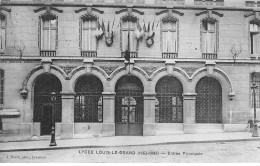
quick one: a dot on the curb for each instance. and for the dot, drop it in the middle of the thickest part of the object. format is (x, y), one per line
(96, 146)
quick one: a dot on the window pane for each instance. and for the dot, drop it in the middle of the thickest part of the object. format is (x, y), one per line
(45, 40)
(53, 40)
(45, 23)
(124, 40)
(132, 41)
(53, 23)
(164, 41)
(93, 40)
(204, 42)
(2, 39)
(124, 24)
(211, 26)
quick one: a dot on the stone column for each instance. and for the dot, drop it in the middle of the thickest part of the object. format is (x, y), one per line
(149, 114)
(67, 126)
(189, 100)
(108, 128)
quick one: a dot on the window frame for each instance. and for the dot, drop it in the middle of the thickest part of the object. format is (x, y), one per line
(169, 19)
(49, 17)
(3, 19)
(83, 18)
(216, 35)
(251, 49)
(134, 20)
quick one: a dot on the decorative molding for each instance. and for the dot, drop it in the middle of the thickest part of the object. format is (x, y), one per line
(169, 18)
(89, 16)
(170, 11)
(129, 11)
(190, 70)
(68, 69)
(109, 68)
(5, 9)
(89, 10)
(209, 13)
(48, 9)
(129, 18)
(149, 70)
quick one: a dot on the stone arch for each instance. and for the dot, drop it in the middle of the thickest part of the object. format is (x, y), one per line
(82, 71)
(139, 75)
(177, 74)
(226, 85)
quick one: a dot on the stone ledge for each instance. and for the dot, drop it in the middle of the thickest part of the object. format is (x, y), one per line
(9, 113)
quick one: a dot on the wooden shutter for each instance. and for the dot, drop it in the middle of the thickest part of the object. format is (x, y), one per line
(39, 32)
(56, 33)
(80, 34)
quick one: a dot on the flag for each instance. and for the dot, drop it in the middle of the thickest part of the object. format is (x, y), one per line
(127, 51)
(103, 26)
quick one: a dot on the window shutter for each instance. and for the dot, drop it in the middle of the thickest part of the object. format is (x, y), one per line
(80, 34)
(39, 32)
(121, 43)
(56, 33)
(201, 44)
(217, 36)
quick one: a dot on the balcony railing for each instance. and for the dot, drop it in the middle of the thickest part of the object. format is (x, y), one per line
(89, 54)
(209, 56)
(132, 54)
(47, 53)
(169, 55)
(209, 2)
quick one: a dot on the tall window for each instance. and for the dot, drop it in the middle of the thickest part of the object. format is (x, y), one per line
(128, 38)
(1, 89)
(169, 36)
(254, 38)
(49, 33)
(209, 36)
(2, 33)
(88, 38)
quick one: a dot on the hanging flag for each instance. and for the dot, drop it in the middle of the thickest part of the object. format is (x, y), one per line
(103, 27)
(138, 31)
(127, 51)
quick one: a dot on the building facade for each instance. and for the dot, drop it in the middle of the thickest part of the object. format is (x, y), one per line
(191, 66)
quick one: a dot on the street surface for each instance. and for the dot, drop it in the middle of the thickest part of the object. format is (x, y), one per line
(224, 152)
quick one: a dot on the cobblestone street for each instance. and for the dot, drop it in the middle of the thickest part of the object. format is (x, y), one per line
(247, 151)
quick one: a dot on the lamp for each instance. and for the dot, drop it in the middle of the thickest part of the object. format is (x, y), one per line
(53, 99)
(254, 87)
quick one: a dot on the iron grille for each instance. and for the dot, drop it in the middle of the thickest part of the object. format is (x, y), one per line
(88, 101)
(44, 85)
(208, 101)
(129, 100)
(169, 101)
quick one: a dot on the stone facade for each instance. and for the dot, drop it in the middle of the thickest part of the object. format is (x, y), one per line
(234, 75)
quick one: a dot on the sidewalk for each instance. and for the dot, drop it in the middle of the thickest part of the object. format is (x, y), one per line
(127, 141)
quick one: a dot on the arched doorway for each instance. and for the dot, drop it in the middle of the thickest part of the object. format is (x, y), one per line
(88, 105)
(129, 106)
(169, 100)
(46, 110)
(208, 101)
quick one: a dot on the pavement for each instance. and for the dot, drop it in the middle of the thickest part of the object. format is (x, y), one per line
(117, 141)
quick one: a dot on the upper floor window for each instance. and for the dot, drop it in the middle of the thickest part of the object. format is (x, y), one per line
(2, 33)
(254, 38)
(209, 38)
(128, 39)
(49, 35)
(1, 89)
(88, 38)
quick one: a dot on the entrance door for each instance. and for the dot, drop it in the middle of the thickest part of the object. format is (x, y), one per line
(46, 120)
(129, 107)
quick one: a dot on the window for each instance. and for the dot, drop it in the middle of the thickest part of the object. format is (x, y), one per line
(254, 38)
(2, 33)
(88, 36)
(49, 35)
(128, 39)
(1, 89)
(209, 36)
(169, 37)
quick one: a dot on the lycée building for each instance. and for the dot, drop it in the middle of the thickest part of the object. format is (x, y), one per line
(191, 68)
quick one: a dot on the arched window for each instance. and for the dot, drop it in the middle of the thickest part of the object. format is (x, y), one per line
(128, 39)
(2, 76)
(88, 104)
(169, 37)
(254, 37)
(209, 36)
(88, 41)
(2, 33)
(48, 34)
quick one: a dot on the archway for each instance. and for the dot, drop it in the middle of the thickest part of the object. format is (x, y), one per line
(129, 106)
(169, 100)
(88, 106)
(208, 101)
(45, 110)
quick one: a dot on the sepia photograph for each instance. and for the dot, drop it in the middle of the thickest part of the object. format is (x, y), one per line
(129, 81)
